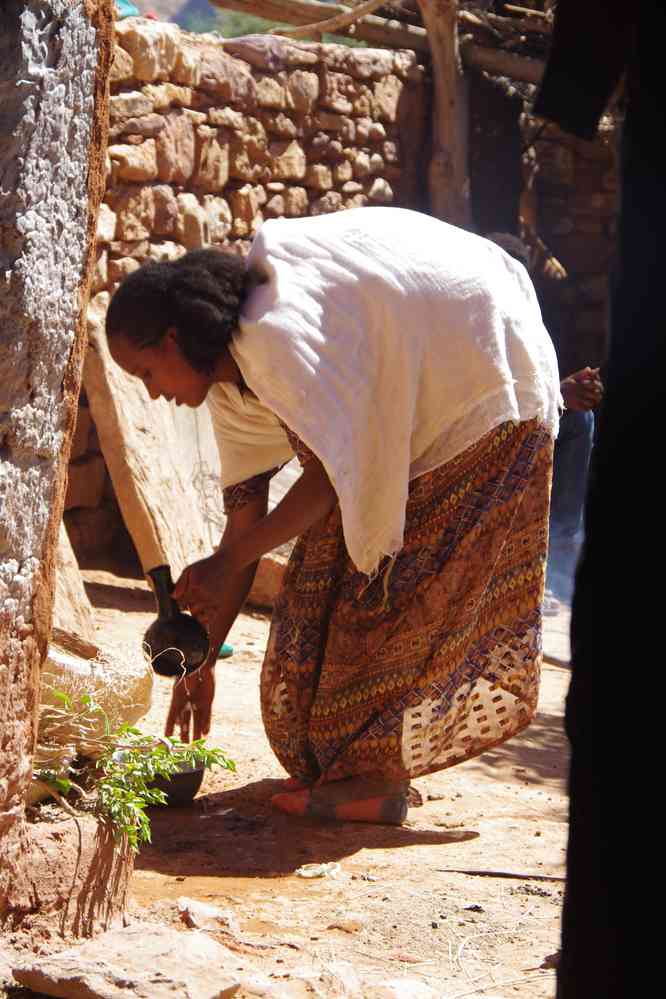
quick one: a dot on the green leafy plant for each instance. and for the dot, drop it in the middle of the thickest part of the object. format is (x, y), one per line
(120, 778)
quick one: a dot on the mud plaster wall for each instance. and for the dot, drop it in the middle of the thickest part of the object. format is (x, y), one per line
(210, 137)
(53, 68)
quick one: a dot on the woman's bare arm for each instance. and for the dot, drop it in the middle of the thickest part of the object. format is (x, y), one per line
(310, 498)
(216, 587)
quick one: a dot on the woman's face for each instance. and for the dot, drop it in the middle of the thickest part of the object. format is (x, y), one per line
(163, 369)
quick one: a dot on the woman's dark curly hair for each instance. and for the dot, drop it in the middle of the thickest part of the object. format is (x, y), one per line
(200, 295)
(513, 245)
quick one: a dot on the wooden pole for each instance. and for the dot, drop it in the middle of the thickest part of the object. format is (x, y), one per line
(448, 179)
(378, 31)
(501, 63)
(333, 24)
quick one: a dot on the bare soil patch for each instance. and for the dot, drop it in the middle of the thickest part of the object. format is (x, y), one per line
(465, 898)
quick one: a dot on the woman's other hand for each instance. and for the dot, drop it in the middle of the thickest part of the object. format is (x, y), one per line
(191, 705)
(582, 390)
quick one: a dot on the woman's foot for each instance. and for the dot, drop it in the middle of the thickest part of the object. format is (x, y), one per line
(353, 800)
(294, 784)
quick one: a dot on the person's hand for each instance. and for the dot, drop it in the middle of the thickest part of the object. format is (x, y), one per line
(199, 587)
(191, 705)
(582, 390)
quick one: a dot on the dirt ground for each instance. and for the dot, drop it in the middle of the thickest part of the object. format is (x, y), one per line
(465, 898)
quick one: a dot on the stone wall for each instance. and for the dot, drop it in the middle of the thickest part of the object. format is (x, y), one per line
(92, 515)
(209, 137)
(565, 190)
(576, 185)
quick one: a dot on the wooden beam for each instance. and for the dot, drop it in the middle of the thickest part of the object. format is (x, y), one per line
(448, 178)
(501, 63)
(378, 31)
(332, 24)
(502, 26)
(529, 12)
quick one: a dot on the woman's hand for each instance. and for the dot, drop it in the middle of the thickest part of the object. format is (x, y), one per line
(191, 705)
(583, 390)
(201, 585)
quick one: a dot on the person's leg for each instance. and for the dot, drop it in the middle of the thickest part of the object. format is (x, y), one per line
(570, 470)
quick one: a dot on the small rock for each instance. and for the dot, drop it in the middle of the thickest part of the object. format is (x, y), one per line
(289, 162)
(380, 190)
(85, 483)
(202, 916)
(256, 984)
(296, 202)
(149, 125)
(474, 908)
(191, 227)
(361, 162)
(153, 46)
(149, 960)
(117, 270)
(341, 979)
(331, 870)
(387, 97)
(272, 92)
(131, 104)
(166, 250)
(319, 177)
(212, 171)
(106, 224)
(343, 173)
(330, 202)
(302, 91)
(5, 967)
(401, 988)
(122, 67)
(135, 162)
(346, 925)
(166, 95)
(227, 117)
(219, 217)
(175, 148)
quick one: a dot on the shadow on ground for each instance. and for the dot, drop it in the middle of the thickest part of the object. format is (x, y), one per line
(134, 599)
(541, 752)
(235, 833)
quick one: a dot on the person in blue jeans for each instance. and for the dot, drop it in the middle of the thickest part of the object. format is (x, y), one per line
(581, 391)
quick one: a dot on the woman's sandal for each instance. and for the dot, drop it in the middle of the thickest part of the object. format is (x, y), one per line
(353, 800)
(294, 784)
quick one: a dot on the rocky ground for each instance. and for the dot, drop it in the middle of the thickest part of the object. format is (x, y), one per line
(463, 901)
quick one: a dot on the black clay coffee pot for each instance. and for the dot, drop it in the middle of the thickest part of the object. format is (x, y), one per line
(175, 642)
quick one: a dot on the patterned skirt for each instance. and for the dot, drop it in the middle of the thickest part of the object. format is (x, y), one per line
(437, 658)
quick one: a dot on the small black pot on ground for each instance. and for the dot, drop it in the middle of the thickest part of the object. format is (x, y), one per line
(181, 788)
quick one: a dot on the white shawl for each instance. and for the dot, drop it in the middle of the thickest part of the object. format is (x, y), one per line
(389, 342)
